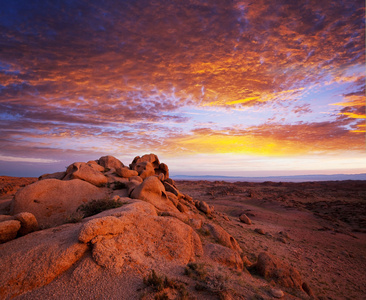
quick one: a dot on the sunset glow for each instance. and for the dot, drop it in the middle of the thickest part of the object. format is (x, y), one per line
(211, 87)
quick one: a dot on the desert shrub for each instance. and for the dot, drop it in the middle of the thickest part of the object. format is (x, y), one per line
(96, 206)
(117, 185)
(159, 283)
(75, 217)
(196, 271)
(162, 296)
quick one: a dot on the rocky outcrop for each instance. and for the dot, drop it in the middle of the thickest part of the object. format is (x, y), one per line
(110, 162)
(157, 167)
(87, 172)
(224, 255)
(52, 201)
(36, 259)
(271, 268)
(222, 237)
(156, 228)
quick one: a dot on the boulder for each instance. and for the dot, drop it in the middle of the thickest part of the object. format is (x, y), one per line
(173, 198)
(224, 255)
(271, 268)
(8, 231)
(144, 169)
(204, 207)
(222, 237)
(152, 191)
(28, 223)
(110, 162)
(170, 188)
(86, 172)
(244, 218)
(52, 201)
(109, 225)
(126, 172)
(151, 158)
(277, 293)
(182, 208)
(136, 178)
(95, 166)
(57, 175)
(170, 181)
(163, 169)
(149, 242)
(38, 258)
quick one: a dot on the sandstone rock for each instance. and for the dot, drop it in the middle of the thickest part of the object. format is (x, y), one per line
(149, 242)
(152, 191)
(28, 223)
(170, 181)
(151, 158)
(172, 198)
(6, 218)
(187, 197)
(259, 231)
(195, 223)
(52, 201)
(85, 172)
(204, 207)
(222, 236)
(110, 162)
(163, 169)
(144, 169)
(136, 178)
(126, 172)
(57, 175)
(102, 226)
(272, 268)
(178, 215)
(38, 258)
(247, 263)
(170, 188)
(277, 293)
(93, 164)
(161, 177)
(8, 230)
(224, 255)
(244, 218)
(131, 185)
(182, 208)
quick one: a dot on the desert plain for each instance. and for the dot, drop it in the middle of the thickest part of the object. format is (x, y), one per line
(182, 239)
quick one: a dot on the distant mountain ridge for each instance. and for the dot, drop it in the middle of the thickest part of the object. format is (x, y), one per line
(294, 178)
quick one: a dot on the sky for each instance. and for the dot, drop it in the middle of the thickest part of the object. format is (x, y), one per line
(234, 88)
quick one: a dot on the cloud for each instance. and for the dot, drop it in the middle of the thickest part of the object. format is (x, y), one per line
(92, 76)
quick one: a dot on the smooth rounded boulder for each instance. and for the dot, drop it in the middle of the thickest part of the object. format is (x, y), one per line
(144, 169)
(28, 223)
(152, 190)
(8, 230)
(126, 172)
(87, 172)
(53, 201)
(110, 162)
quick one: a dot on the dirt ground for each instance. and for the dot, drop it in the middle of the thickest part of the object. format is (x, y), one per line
(318, 227)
